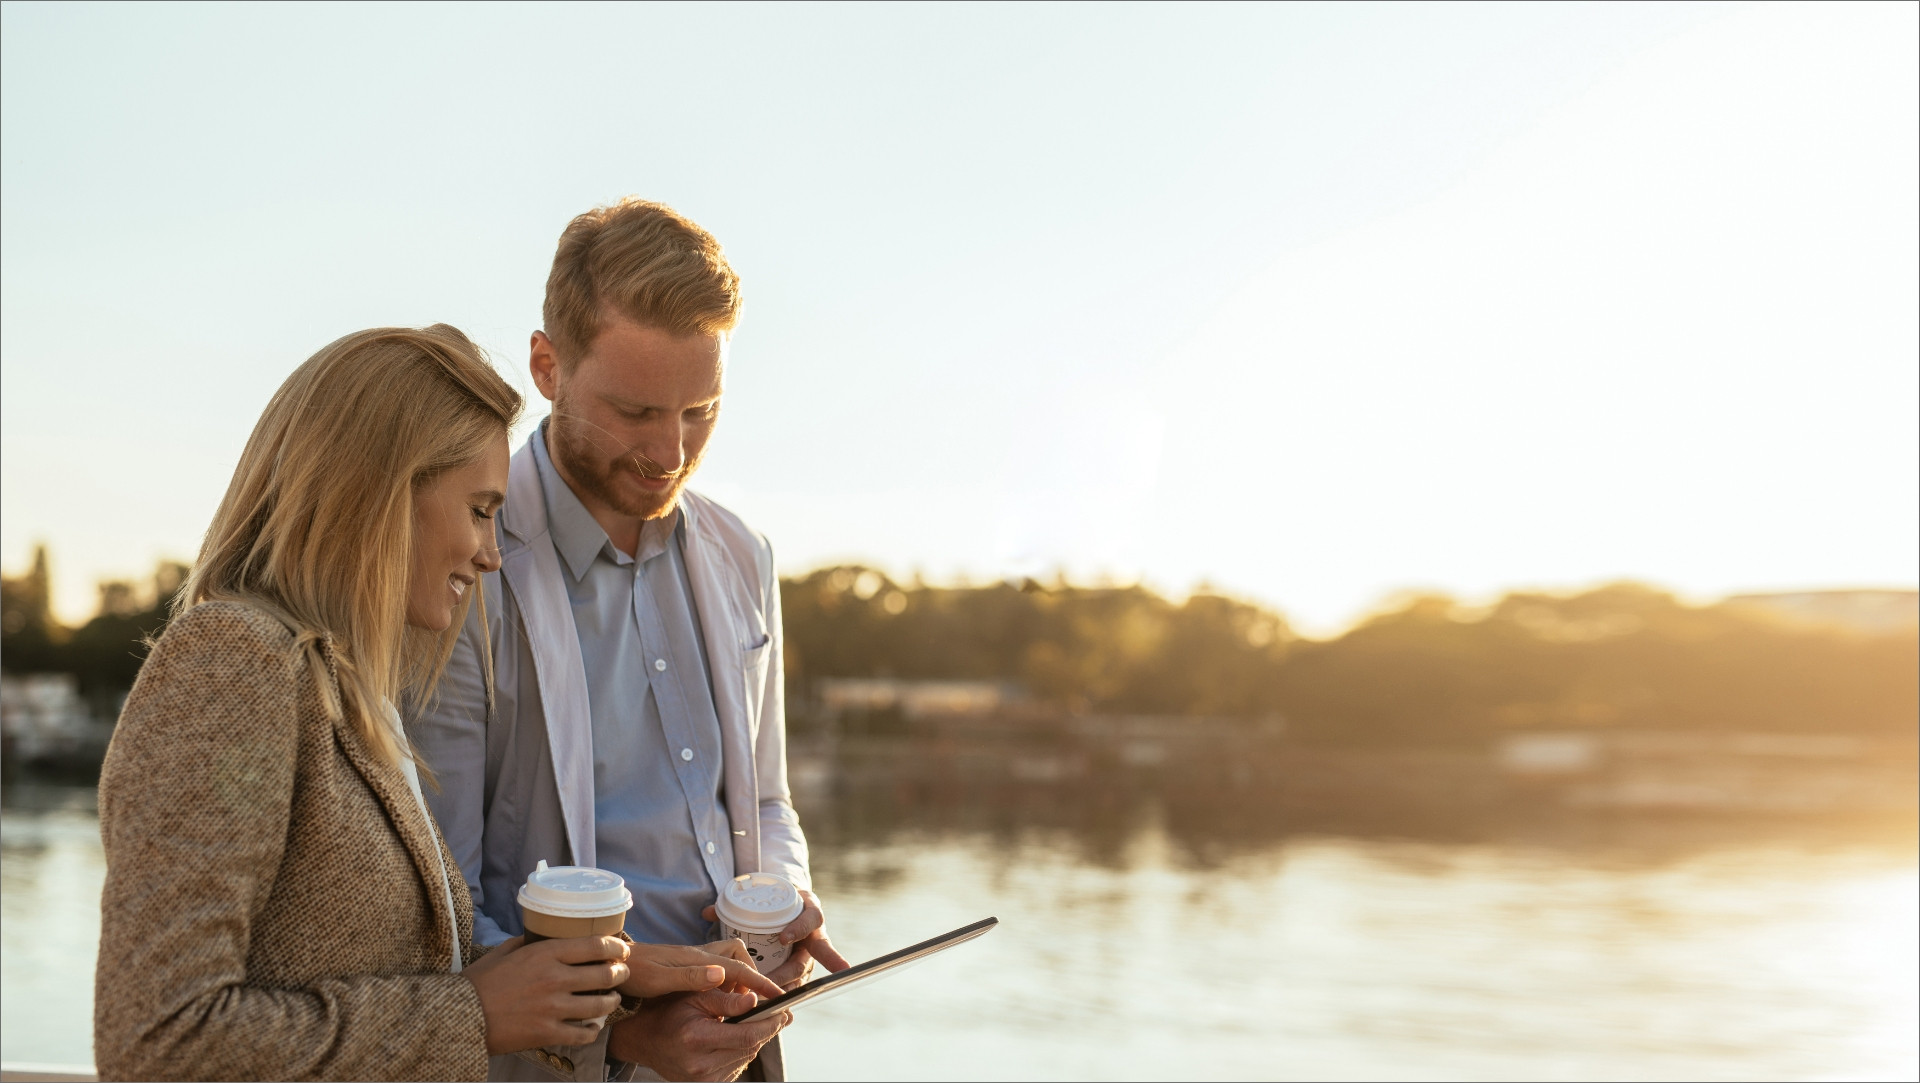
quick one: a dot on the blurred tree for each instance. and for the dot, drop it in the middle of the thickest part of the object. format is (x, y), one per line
(29, 636)
(1428, 670)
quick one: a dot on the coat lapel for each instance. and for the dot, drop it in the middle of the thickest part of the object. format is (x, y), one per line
(416, 832)
(532, 572)
(719, 626)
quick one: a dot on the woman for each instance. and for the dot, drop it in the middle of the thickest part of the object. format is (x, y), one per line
(278, 902)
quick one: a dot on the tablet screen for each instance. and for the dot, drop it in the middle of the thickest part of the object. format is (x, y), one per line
(832, 984)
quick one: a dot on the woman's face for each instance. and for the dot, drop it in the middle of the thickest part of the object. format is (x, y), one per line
(453, 539)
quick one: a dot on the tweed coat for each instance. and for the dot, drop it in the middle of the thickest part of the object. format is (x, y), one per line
(273, 907)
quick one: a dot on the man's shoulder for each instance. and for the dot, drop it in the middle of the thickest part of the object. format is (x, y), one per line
(716, 525)
(712, 519)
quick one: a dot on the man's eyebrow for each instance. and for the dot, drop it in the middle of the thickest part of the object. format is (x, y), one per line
(633, 406)
(625, 404)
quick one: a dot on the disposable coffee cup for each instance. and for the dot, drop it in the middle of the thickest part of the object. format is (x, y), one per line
(573, 900)
(754, 908)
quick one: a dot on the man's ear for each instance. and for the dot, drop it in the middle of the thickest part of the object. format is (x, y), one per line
(544, 363)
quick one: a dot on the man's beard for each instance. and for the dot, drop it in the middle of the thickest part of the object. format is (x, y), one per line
(592, 459)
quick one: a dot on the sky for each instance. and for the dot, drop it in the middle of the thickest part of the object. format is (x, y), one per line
(1313, 304)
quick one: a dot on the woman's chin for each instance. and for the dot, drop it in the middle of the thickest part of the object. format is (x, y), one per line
(437, 621)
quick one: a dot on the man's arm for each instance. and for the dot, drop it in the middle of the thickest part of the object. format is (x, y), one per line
(449, 733)
(783, 846)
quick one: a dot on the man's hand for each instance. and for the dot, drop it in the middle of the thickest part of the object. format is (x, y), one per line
(808, 935)
(684, 1037)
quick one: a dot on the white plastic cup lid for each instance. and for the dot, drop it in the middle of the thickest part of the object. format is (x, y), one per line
(759, 902)
(575, 891)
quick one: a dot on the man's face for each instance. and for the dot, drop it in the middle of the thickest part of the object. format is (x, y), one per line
(632, 418)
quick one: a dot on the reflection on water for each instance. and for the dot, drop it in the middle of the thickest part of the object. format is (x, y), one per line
(1129, 949)
(51, 870)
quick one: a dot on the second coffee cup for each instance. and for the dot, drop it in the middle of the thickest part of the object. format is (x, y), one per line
(573, 900)
(754, 908)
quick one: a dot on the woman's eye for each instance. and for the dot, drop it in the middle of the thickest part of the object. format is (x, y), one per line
(482, 513)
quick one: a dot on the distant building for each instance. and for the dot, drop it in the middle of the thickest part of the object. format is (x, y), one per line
(1870, 611)
(42, 716)
(913, 699)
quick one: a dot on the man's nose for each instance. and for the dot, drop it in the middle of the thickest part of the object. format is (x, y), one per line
(666, 450)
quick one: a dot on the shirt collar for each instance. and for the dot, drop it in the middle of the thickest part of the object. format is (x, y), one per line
(576, 534)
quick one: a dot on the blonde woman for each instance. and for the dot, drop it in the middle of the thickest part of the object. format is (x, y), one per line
(278, 903)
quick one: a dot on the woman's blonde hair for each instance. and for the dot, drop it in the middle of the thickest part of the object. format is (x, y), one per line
(317, 524)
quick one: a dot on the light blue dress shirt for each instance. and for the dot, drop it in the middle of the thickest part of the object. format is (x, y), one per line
(659, 819)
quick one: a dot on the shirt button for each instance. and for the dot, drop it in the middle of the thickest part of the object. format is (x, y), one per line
(660, 665)
(686, 754)
(709, 847)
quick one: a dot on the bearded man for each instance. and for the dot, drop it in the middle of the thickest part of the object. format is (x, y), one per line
(636, 717)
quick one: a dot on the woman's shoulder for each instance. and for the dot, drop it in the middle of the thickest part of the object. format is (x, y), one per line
(225, 634)
(222, 687)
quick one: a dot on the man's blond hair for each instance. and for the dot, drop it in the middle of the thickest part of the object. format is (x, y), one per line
(643, 261)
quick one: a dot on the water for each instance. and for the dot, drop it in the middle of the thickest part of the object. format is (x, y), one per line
(1130, 949)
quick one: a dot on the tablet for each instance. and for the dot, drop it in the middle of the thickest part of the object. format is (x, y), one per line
(834, 984)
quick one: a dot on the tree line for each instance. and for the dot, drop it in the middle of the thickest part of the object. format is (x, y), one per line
(1623, 656)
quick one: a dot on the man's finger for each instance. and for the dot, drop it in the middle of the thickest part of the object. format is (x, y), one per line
(720, 1004)
(822, 949)
(710, 914)
(787, 974)
(803, 926)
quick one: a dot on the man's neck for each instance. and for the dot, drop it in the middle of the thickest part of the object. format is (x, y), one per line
(623, 531)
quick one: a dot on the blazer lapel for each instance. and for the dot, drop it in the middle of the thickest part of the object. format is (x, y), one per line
(410, 822)
(532, 571)
(706, 571)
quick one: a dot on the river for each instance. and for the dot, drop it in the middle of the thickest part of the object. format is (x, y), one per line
(1130, 948)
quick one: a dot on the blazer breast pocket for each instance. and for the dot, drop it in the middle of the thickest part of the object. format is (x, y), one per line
(754, 656)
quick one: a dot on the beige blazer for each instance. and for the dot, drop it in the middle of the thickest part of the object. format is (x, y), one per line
(273, 907)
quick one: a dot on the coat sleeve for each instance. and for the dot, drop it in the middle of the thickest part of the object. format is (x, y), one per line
(783, 846)
(449, 731)
(195, 801)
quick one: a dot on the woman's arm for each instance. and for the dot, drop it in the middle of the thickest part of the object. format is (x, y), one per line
(195, 799)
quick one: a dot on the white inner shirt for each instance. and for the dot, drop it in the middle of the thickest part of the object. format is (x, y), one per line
(413, 783)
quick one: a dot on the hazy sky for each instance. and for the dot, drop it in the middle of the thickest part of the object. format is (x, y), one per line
(1313, 302)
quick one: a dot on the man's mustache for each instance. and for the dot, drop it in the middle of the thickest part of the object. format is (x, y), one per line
(630, 457)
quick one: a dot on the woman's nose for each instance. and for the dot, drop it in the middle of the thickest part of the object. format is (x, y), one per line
(488, 555)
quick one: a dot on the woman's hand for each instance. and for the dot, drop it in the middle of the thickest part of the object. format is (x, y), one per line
(530, 993)
(659, 969)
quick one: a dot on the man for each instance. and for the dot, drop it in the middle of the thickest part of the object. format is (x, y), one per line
(636, 721)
